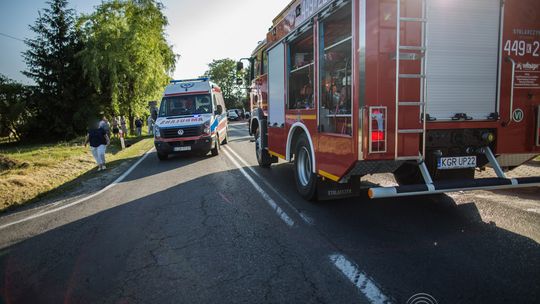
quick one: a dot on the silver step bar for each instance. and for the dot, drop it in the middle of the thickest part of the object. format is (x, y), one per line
(431, 187)
(454, 186)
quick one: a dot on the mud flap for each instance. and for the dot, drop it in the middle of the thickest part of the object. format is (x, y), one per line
(330, 190)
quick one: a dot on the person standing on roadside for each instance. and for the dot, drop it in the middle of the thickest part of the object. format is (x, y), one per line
(115, 129)
(150, 123)
(123, 125)
(138, 126)
(98, 140)
(104, 124)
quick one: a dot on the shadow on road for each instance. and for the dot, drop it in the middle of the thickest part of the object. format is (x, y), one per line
(178, 242)
(425, 244)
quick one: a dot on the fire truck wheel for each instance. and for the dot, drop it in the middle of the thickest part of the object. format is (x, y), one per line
(306, 180)
(216, 148)
(263, 158)
(162, 156)
(226, 139)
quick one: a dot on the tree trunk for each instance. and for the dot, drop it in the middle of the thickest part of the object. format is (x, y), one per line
(131, 121)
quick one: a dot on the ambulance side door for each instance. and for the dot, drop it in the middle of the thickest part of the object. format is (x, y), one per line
(221, 118)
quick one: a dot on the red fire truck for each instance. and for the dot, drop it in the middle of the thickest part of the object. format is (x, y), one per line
(429, 90)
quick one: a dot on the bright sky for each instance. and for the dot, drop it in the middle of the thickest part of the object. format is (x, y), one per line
(200, 30)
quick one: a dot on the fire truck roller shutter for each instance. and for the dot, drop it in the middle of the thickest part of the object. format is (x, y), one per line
(462, 58)
(276, 85)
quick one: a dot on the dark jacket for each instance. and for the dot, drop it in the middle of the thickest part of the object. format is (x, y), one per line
(96, 137)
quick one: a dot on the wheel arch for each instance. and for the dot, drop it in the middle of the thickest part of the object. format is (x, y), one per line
(295, 132)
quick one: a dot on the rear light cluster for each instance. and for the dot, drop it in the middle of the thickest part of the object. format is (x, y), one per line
(377, 129)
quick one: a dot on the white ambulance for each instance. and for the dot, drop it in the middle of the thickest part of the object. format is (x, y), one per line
(192, 117)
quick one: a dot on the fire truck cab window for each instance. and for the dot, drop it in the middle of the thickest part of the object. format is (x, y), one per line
(257, 66)
(264, 66)
(301, 70)
(335, 72)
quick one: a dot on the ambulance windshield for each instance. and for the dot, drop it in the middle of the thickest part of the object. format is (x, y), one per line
(185, 105)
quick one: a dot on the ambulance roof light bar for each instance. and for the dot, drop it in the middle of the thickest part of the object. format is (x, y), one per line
(202, 79)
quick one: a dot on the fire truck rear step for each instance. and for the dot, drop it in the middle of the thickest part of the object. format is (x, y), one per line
(431, 187)
(455, 186)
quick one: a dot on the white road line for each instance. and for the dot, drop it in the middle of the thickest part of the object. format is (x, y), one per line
(116, 182)
(534, 210)
(360, 280)
(308, 220)
(282, 214)
(241, 138)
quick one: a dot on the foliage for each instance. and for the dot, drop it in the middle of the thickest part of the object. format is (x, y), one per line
(223, 72)
(29, 172)
(14, 111)
(126, 57)
(62, 100)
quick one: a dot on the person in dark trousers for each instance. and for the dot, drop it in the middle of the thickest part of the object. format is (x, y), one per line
(115, 128)
(138, 126)
(98, 140)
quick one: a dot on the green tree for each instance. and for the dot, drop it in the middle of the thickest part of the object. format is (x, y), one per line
(223, 72)
(126, 57)
(14, 110)
(62, 100)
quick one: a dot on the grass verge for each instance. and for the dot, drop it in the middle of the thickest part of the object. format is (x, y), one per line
(29, 172)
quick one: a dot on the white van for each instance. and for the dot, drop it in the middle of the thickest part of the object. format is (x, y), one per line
(192, 117)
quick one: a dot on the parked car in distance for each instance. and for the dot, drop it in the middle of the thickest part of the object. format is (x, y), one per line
(233, 115)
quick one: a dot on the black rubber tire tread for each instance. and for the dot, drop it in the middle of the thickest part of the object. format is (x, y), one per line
(215, 150)
(265, 160)
(308, 192)
(162, 156)
(226, 139)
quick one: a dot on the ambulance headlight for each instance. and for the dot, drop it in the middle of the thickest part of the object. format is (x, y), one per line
(157, 132)
(206, 129)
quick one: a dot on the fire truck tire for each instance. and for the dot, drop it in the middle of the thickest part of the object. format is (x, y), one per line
(263, 158)
(216, 148)
(162, 156)
(226, 139)
(306, 180)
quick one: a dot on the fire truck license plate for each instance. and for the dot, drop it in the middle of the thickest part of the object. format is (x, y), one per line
(182, 149)
(463, 162)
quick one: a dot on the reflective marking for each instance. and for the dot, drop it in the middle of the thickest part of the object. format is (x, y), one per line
(276, 154)
(282, 214)
(116, 182)
(359, 279)
(329, 175)
(308, 220)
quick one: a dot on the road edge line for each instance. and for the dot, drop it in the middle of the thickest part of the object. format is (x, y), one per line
(359, 279)
(269, 200)
(307, 219)
(82, 200)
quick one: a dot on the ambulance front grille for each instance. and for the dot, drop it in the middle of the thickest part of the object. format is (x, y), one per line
(188, 132)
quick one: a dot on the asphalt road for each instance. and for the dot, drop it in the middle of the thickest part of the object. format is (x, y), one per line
(222, 230)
